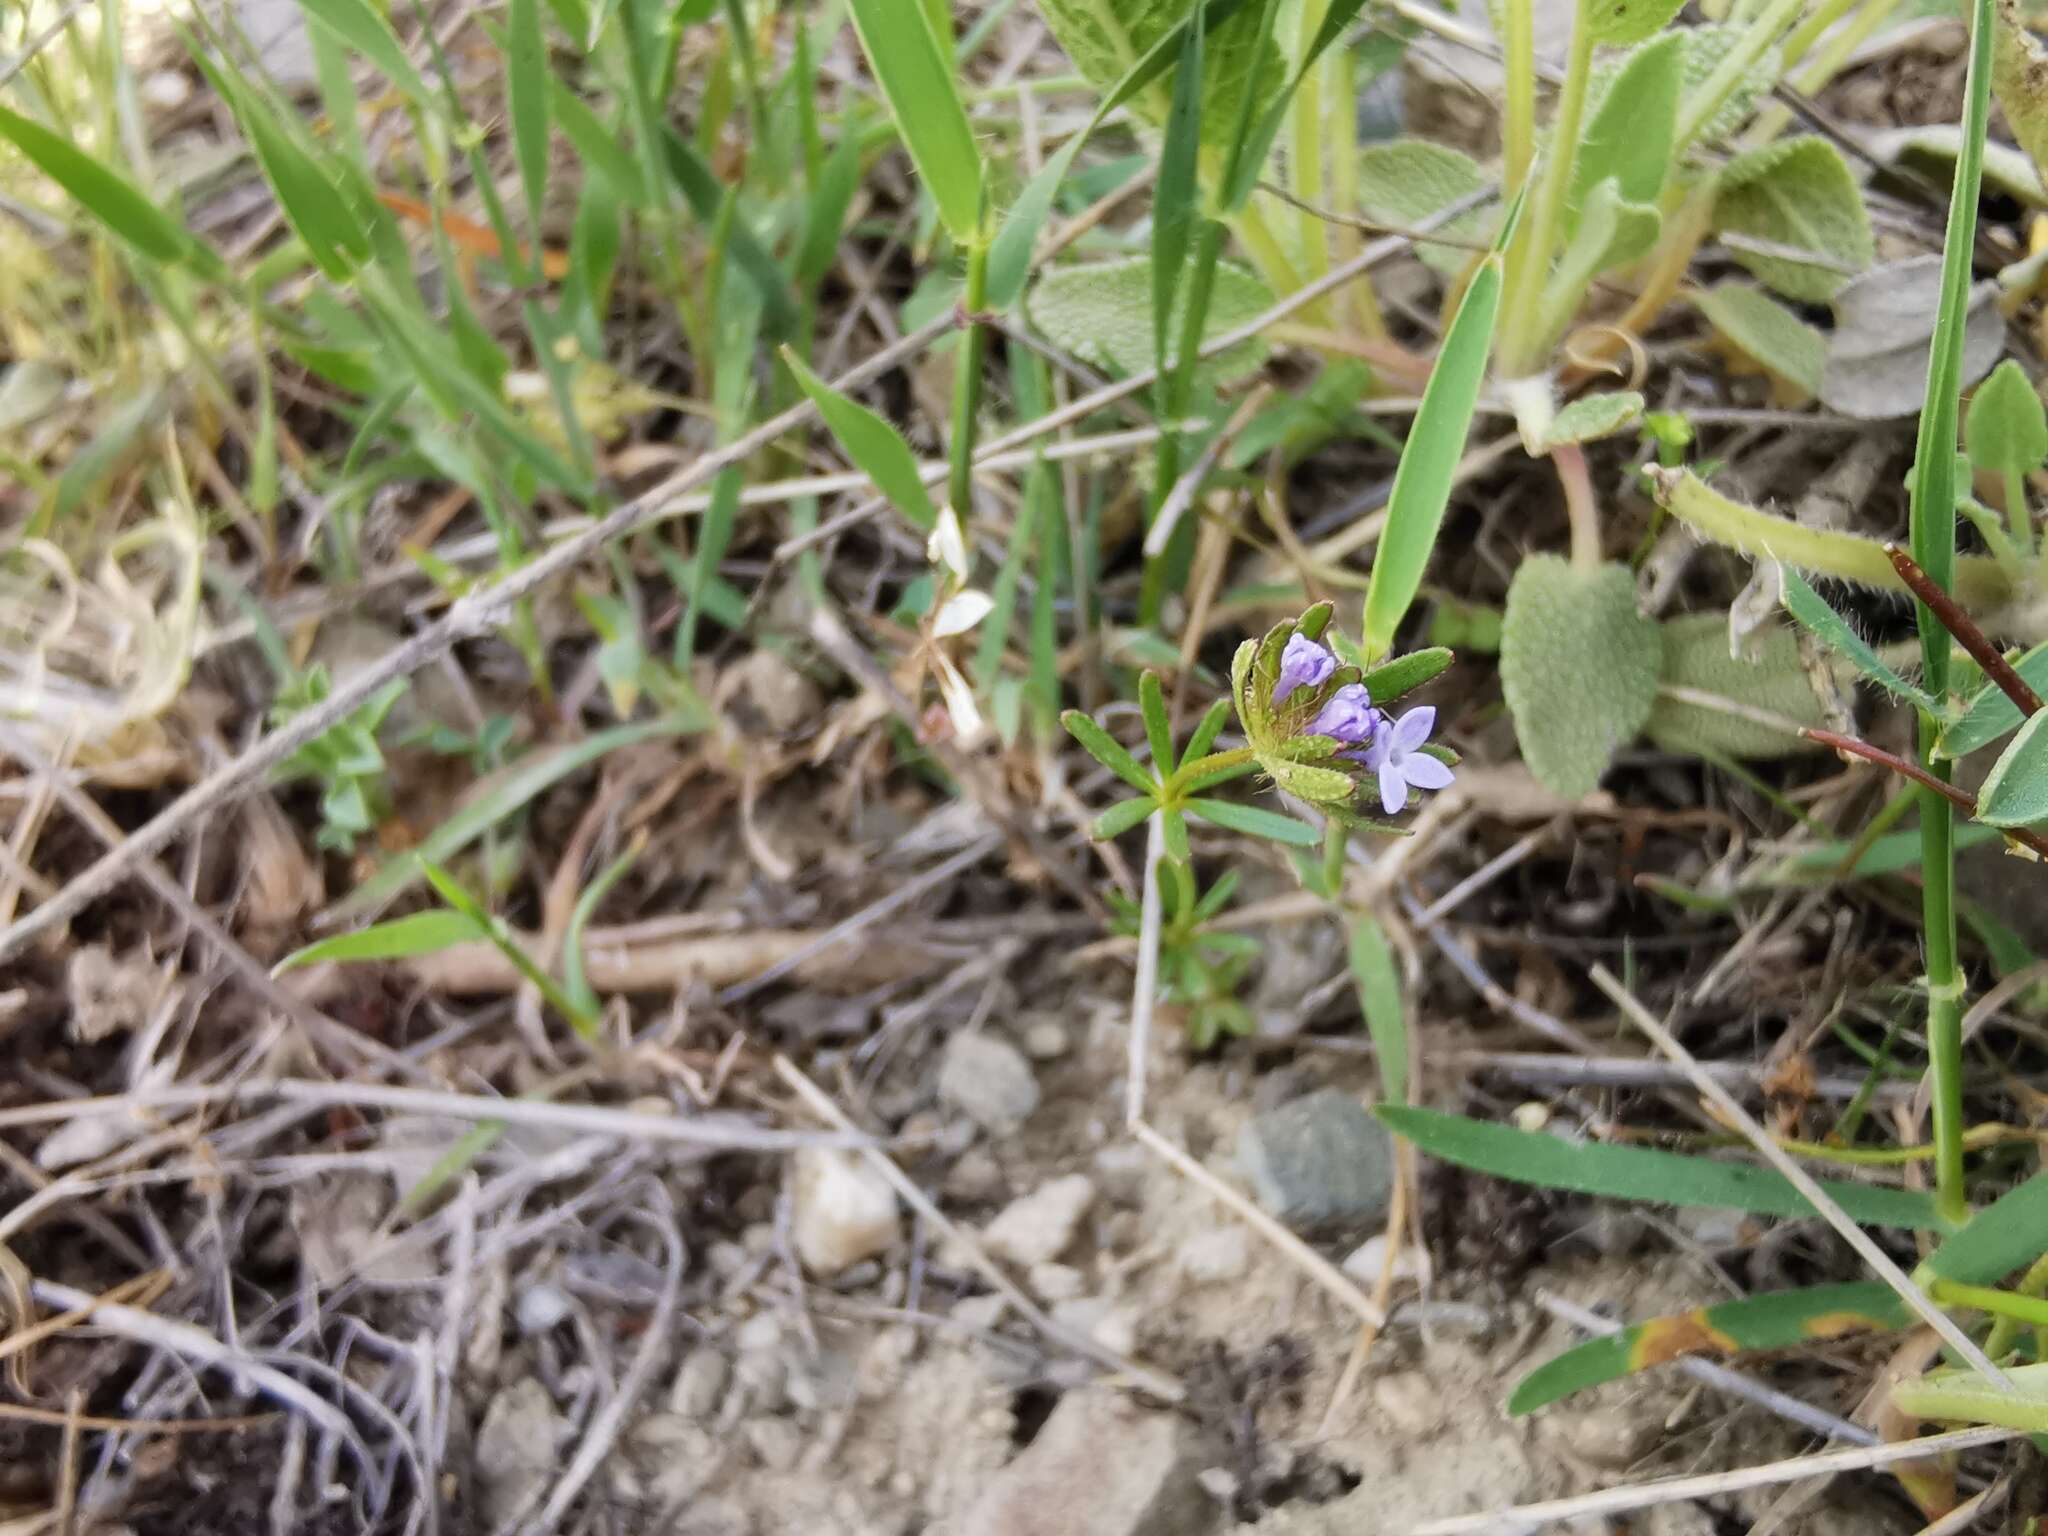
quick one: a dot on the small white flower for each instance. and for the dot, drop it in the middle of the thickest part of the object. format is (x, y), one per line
(961, 612)
(948, 546)
(959, 699)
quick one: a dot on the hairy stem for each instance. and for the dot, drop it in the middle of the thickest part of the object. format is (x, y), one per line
(1518, 122)
(1580, 505)
(1529, 257)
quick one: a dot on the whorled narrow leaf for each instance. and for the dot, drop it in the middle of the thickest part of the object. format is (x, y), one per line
(1109, 752)
(1774, 1320)
(1255, 821)
(876, 448)
(1429, 461)
(923, 91)
(1643, 1173)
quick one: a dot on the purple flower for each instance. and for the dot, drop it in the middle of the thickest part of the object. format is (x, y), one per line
(1398, 761)
(1348, 716)
(1304, 664)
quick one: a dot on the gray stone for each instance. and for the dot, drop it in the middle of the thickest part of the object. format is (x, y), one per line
(1319, 1162)
(515, 1450)
(1101, 1467)
(1217, 1256)
(700, 1382)
(989, 1081)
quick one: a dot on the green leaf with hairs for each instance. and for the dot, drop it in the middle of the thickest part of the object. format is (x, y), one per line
(1108, 751)
(1404, 182)
(1732, 692)
(2006, 429)
(1774, 1320)
(2016, 792)
(1404, 674)
(1254, 821)
(1102, 313)
(1611, 232)
(1579, 664)
(1644, 1173)
(1121, 817)
(1705, 48)
(1799, 197)
(922, 88)
(1990, 714)
(1592, 417)
(2019, 78)
(1814, 614)
(1767, 333)
(1629, 125)
(876, 448)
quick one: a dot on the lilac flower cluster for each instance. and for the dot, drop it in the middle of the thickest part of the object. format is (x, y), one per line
(1390, 749)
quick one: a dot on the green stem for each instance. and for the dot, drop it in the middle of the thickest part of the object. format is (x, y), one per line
(1529, 260)
(967, 385)
(1967, 1399)
(1944, 980)
(1698, 109)
(2016, 514)
(2005, 1331)
(1772, 120)
(1518, 121)
(2002, 1304)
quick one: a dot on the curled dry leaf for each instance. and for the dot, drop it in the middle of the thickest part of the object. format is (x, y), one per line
(1884, 320)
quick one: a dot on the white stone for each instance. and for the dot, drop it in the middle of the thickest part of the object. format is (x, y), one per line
(988, 1080)
(1216, 1257)
(1037, 1228)
(1046, 1040)
(515, 1450)
(1056, 1282)
(1365, 1262)
(845, 1210)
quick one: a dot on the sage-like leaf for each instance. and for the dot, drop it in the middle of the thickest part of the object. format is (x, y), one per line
(1712, 704)
(1799, 198)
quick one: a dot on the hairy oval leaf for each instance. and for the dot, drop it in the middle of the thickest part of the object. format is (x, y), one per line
(1772, 681)
(1797, 196)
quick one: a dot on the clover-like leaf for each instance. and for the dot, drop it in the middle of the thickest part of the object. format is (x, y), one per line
(1403, 182)
(1772, 681)
(1768, 334)
(2015, 794)
(1579, 665)
(1102, 313)
(1591, 417)
(1792, 213)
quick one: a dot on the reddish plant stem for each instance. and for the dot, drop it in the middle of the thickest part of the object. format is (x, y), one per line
(1965, 630)
(1849, 746)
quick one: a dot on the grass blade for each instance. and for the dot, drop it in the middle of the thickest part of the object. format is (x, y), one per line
(500, 938)
(923, 92)
(2010, 1232)
(1815, 615)
(361, 28)
(526, 93)
(1379, 996)
(1174, 193)
(1774, 1320)
(517, 786)
(109, 197)
(1642, 1173)
(400, 938)
(1422, 480)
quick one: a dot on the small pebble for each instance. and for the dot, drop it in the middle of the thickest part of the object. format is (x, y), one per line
(776, 1442)
(1056, 1282)
(975, 1178)
(988, 1080)
(760, 1333)
(1037, 1228)
(1115, 1328)
(1046, 1041)
(845, 1210)
(541, 1306)
(1365, 1262)
(1319, 1162)
(1216, 1257)
(700, 1382)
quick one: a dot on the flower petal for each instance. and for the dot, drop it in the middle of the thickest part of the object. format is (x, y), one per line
(961, 612)
(1304, 664)
(1393, 789)
(1425, 772)
(1415, 726)
(947, 545)
(959, 700)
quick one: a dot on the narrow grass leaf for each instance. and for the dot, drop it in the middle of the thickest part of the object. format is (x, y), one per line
(508, 793)
(575, 978)
(922, 89)
(1379, 997)
(109, 197)
(1643, 1173)
(2006, 1235)
(1175, 192)
(1158, 728)
(1254, 821)
(1774, 1320)
(595, 144)
(356, 24)
(2016, 792)
(1991, 713)
(705, 193)
(526, 99)
(458, 896)
(1422, 480)
(714, 536)
(876, 448)
(1817, 617)
(400, 938)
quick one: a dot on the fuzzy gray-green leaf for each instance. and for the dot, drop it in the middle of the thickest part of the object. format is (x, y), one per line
(1102, 313)
(1797, 196)
(1620, 23)
(1773, 679)
(1629, 125)
(1104, 38)
(1405, 181)
(1579, 665)
(1591, 417)
(1767, 333)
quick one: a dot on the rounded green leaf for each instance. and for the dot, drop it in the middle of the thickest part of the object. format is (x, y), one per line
(1579, 665)
(1767, 333)
(1772, 680)
(2016, 793)
(1796, 196)
(1405, 181)
(1591, 417)
(2006, 429)
(1102, 313)
(1991, 714)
